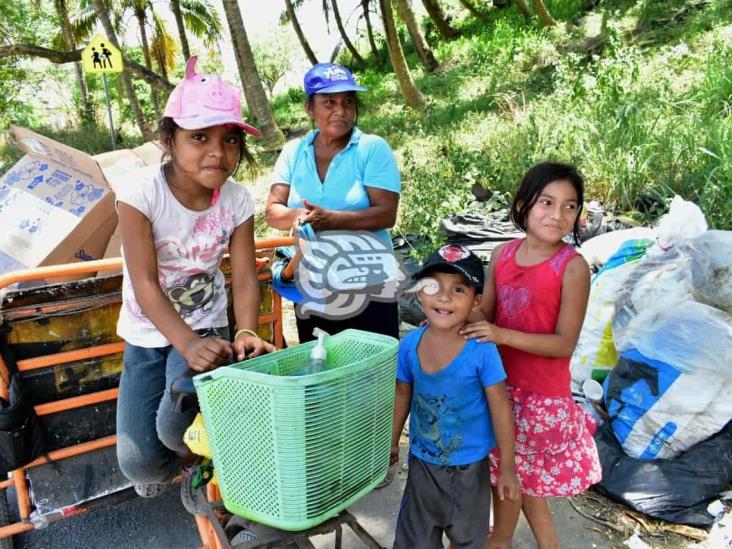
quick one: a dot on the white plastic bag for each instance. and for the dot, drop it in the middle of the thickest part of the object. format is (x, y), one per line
(683, 222)
(688, 335)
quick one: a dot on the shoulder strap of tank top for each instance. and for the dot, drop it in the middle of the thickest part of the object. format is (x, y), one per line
(509, 249)
(558, 263)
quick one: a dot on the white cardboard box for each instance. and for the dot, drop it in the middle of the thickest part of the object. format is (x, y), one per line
(55, 206)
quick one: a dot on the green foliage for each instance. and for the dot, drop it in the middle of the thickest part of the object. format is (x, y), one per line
(645, 110)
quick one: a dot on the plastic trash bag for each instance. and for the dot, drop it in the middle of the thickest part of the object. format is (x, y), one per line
(683, 222)
(690, 336)
(677, 490)
(595, 354)
(711, 269)
(656, 411)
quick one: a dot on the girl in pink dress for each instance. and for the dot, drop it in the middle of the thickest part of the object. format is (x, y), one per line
(534, 301)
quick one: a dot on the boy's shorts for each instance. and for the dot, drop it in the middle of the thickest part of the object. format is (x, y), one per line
(454, 499)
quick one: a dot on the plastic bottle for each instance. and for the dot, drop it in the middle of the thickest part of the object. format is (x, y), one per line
(318, 355)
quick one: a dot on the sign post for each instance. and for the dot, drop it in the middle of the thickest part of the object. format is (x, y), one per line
(100, 56)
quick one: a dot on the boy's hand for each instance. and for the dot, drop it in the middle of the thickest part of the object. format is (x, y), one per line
(394, 457)
(248, 346)
(508, 485)
(205, 354)
(482, 331)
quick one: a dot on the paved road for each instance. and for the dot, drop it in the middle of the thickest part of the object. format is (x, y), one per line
(159, 523)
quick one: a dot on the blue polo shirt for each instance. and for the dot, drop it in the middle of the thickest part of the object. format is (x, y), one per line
(450, 422)
(367, 161)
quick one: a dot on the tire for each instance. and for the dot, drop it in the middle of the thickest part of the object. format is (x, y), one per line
(5, 543)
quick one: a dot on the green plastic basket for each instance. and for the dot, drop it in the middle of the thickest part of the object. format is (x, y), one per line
(292, 452)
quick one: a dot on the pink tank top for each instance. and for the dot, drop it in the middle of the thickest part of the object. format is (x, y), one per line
(528, 300)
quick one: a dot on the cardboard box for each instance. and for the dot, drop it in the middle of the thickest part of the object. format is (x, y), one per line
(55, 206)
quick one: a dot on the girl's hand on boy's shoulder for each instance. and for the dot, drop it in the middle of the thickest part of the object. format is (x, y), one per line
(248, 346)
(483, 331)
(205, 354)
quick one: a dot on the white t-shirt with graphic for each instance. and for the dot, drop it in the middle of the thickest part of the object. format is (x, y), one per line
(189, 246)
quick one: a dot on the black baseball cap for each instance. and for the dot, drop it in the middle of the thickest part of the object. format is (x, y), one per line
(453, 257)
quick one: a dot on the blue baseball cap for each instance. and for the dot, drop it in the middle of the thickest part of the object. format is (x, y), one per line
(329, 78)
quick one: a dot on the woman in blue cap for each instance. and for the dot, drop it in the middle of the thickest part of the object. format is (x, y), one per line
(337, 178)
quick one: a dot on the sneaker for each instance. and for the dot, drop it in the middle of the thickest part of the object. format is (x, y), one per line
(149, 489)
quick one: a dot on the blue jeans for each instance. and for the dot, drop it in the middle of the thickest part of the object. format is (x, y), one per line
(149, 431)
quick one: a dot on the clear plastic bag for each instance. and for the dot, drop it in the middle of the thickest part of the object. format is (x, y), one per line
(711, 269)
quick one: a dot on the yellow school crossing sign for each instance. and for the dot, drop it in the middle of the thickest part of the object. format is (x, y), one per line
(100, 56)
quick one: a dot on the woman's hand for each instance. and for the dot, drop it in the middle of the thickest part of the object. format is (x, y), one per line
(483, 331)
(319, 218)
(204, 354)
(248, 346)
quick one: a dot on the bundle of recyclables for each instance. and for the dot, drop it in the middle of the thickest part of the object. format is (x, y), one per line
(293, 448)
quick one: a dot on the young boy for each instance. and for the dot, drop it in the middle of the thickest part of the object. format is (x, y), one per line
(459, 408)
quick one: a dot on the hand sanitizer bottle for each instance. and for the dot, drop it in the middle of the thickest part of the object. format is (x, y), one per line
(318, 355)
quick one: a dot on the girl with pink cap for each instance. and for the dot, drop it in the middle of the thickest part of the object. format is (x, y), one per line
(176, 222)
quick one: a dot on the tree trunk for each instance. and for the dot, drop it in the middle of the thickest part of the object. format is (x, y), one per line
(87, 114)
(300, 35)
(271, 133)
(412, 96)
(175, 8)
(60, 57)
(140, 15)
(544, 16)
(351, 48)
(473, 9)
(438, 18)
(523, 8)
(423, 50)
(369, 29)
(103, 16)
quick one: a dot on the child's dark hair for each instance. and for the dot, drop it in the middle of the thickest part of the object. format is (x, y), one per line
(533, 184)
(166, 132)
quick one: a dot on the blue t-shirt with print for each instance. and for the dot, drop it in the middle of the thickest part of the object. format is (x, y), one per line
(450, 423)
(367, 161)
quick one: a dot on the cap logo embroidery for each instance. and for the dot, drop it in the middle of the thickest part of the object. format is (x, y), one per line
(335, 73)
(453, 253)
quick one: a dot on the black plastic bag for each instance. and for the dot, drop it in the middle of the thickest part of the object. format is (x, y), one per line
(675, 490)
(21, 434)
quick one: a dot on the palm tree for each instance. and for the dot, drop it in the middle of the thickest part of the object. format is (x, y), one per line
(420, 44)
(292, 16)
(175, 8)
(369, 28)
(103, 15)
(544, 16)
(139, 10)
(254, 91)
(163, 47)
(412, 96)
(473, 9)
(434, 10)
(523, 8)
(68, 34)
(351, 48)
(200, 18)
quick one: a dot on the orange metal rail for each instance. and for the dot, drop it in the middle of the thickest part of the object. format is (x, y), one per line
(17, 478)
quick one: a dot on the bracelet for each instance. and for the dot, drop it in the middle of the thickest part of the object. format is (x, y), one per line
(246, 331)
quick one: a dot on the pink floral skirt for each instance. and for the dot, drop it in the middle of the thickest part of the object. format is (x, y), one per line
(555, 449)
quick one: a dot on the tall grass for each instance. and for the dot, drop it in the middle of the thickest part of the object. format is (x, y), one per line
(646, 115)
